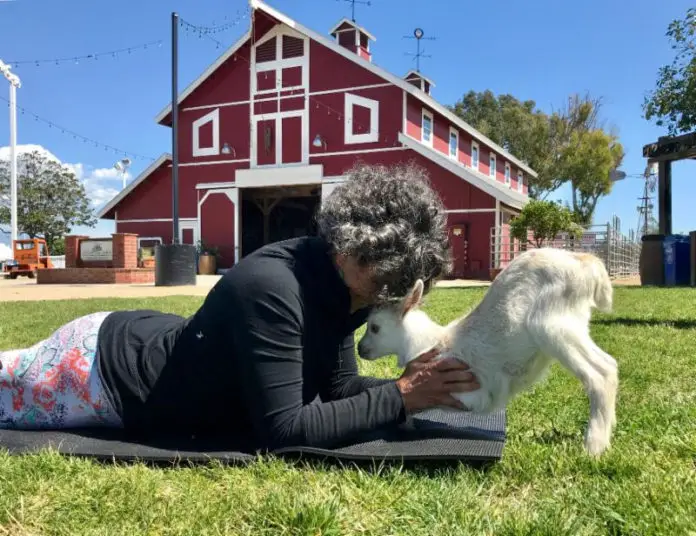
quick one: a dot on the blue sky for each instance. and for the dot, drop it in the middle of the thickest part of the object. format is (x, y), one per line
(542, 50)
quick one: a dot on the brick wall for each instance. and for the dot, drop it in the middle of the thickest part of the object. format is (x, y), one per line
(72, 250)
(125, 250)
(95, 276)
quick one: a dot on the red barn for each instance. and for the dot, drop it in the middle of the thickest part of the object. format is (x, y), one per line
(270, 128)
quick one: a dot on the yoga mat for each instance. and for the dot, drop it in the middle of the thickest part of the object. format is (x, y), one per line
(434, 435)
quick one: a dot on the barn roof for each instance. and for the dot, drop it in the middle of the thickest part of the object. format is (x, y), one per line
(484, 183)
(366, 64)
(165, 157)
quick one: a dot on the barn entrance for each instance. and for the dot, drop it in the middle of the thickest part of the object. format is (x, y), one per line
(277, 213)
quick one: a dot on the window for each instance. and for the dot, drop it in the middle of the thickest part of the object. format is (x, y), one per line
(453, 143)
(427, 128)
(492, 165)
(474, 155)
(520, 181)
(508, 178)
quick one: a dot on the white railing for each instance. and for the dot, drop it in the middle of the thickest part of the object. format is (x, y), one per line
(619, 252)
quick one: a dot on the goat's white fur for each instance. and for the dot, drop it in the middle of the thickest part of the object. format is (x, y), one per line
(537, 309)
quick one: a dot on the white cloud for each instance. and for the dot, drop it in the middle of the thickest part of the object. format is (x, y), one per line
(101, 184)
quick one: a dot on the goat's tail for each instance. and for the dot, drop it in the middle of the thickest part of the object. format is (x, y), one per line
(603, 291)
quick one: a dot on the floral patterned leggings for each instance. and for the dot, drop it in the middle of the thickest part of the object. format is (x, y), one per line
(55, 384)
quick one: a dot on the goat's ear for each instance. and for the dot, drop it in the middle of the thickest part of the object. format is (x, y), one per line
(413, 298)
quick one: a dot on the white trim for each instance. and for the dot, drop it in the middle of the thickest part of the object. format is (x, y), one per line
(191, 225)
(498, 224)
(508, 175)
(477, 167)
(211, 117)
(281, 97)
(355, 26)
(131, 186)
(213, 185)
(334, 179)
(360, 151)
(492, 165)
(372, 105)
(382, 73)
(279, 63)
(454, 131)
(154, 220)
(206, 74)
(275, 176)
(278, 117)
(353, 88)
(233, 195)
(469, 210)
(404, 122)
(493, 188)
(327, 189)
(520, 181)
(425, 113)
(212, 163)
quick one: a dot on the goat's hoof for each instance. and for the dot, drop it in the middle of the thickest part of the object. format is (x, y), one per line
(596, 445)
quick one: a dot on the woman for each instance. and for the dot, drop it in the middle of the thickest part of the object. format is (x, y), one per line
(274, 333)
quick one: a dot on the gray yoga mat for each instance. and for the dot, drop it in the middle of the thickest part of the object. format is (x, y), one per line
(435, 435)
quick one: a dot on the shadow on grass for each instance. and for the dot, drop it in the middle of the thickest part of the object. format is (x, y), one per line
(682, 323)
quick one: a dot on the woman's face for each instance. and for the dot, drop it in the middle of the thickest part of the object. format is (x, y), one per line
(360, 281)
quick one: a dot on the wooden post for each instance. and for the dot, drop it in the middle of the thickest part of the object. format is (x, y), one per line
(664, 189)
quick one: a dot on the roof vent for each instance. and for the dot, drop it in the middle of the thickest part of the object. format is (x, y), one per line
(421, 82)
(351, 36)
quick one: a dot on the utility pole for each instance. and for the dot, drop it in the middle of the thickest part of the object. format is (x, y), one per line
(15, 83)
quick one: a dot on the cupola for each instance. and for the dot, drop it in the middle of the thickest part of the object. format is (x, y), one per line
(353, 37)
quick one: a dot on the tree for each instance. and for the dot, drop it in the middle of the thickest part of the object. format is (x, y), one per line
(673, 101)
(50, 198)
(548, 143)
(588, 158)
(545, 219)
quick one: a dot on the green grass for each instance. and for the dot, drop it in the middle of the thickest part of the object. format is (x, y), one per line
(545, 484)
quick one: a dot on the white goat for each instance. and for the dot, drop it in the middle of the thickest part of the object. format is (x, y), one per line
(537, 309)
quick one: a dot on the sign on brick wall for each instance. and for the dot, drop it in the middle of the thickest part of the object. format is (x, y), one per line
(96, 250)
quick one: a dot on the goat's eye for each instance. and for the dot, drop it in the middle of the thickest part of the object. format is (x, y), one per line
(374, 328)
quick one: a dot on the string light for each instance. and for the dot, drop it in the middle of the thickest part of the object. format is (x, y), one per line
(76, 59)
(77, 136)
(308, 98)
(206, 31)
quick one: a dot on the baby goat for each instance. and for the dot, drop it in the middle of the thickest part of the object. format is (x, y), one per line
(537, 309)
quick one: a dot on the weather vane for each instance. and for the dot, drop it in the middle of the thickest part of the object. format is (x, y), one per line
(353, 2)
(418, 35)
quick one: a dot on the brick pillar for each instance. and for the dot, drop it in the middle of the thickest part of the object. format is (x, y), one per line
(125, 250)
(72, 250)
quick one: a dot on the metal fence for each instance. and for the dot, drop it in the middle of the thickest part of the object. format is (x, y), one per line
(619, 252)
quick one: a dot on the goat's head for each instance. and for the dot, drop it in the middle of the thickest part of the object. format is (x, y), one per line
(401, 329)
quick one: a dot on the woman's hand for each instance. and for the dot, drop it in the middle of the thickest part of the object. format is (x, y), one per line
(427, 382)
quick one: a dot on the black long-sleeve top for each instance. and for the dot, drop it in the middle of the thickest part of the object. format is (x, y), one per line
(273, 334)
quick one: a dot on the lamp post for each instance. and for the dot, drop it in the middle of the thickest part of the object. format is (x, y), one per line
(122, 166)
(15, 83)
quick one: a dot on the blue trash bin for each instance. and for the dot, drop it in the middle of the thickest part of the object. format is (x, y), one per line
(677, 260)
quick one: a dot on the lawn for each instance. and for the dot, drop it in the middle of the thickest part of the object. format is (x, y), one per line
(646, 484)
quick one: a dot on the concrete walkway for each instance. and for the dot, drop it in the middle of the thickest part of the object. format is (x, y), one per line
(24, 289)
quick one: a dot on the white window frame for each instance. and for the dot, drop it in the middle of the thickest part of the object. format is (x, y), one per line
(211, 117)
(452, 131)
(475, 145)
(508, 175)
(372, 105)
(492, 169)
(425, 113)
(520, 180)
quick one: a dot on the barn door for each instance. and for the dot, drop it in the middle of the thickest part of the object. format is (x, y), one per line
(459, 241)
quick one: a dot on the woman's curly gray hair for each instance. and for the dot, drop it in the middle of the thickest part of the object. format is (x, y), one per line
(391, 219)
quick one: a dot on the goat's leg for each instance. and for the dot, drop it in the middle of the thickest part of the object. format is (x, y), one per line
(574, 351)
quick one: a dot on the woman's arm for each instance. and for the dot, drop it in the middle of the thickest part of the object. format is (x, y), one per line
(267, 327)
(345, 380)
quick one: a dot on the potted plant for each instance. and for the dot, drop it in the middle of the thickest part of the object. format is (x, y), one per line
(207, 259)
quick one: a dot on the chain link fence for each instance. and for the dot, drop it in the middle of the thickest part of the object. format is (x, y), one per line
(620, 252)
